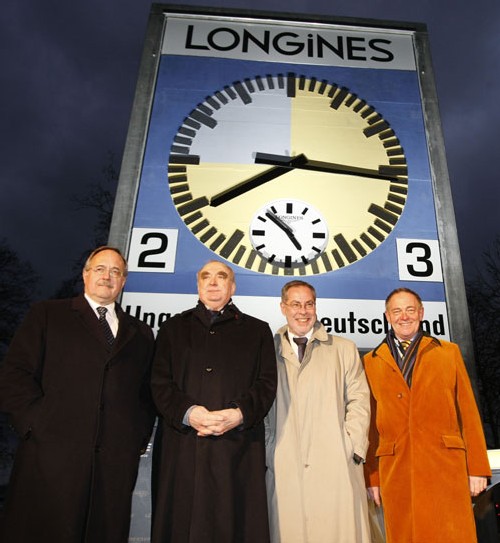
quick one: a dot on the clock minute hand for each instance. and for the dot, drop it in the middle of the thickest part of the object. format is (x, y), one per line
(318, 166)
(256, 181)
(282, 224)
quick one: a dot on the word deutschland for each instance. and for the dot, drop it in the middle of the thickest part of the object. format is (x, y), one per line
(348, 325)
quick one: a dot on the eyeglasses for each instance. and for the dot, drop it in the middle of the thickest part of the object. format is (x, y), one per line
(102, 270)
(408, 310)
(297, 306)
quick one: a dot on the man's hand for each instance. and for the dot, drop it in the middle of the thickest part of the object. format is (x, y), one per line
(214, 423)
(374, 494)
(204, 421)
(477, 485)
(231, 419)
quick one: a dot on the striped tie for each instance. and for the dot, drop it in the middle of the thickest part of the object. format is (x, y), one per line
(108, 334)
(405, 344)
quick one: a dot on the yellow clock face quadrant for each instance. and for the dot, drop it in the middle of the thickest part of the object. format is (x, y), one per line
(279, 137)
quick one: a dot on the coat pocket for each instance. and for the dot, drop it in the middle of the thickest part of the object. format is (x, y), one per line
(386, 448)
(453, 442)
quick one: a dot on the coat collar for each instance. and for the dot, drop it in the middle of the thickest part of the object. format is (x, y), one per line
(382, 350)
(230, 313)
(282, 343)
(426, 340)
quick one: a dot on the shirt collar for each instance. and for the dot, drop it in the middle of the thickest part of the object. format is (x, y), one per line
(94, 305)
(308, 335)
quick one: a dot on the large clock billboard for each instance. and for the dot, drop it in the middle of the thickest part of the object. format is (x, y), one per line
(290, 147)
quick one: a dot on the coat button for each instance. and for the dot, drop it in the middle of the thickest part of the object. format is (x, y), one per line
(208, 369)
(212, 332)
(400, 395)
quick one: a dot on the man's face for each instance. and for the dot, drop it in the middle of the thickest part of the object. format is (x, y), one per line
(104, 279)
(215, 285)
(404, 314)
(299, 309)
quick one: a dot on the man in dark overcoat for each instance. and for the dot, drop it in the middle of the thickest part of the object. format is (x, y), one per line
(214, 380)
(77, 388)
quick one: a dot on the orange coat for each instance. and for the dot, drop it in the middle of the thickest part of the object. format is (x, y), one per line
(424, 443)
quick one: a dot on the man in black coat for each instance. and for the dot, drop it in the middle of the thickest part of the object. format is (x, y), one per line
(77, 388)
(214, 380)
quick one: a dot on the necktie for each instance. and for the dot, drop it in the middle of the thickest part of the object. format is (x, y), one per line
(213, 315)
(405, 344)
(108, 334)
(301, 344)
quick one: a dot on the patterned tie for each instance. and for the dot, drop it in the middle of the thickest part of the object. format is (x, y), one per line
(108, 334)
(301, 344)
(405, 344)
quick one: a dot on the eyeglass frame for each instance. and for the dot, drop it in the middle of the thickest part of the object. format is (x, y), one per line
(101, 270)
(297, 306)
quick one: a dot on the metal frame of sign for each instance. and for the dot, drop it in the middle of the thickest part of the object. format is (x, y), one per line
(219, 93)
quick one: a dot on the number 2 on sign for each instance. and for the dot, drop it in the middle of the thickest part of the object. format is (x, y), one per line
(153, 250)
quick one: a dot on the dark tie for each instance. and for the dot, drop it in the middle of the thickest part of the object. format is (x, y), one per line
(108, 334)
(213, 315)
(301, 344)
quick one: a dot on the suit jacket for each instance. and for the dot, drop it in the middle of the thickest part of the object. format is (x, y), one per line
(84, 412)
(424, 442)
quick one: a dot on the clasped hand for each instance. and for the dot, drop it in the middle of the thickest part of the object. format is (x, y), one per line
(214, 423)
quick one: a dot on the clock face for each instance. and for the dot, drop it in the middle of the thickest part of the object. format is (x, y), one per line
(288, 233)
(287, 138)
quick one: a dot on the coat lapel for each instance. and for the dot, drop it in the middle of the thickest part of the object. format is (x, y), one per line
(88, 318)
(284, 348)
(126, 330)
(383, 352)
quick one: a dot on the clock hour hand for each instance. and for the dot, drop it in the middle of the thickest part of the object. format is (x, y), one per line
(318, 166)
(282, 224)
(256, 181)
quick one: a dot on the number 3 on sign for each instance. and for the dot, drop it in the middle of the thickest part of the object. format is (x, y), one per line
(419, 260)
(153, 250)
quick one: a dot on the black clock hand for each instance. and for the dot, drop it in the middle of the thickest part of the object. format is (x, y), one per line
(256, 181)
(288, 231)
(318, 166)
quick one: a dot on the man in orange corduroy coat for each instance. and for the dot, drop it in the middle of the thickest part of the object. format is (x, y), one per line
(427, 453)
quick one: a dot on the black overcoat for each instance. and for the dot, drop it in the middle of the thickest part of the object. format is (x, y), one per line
(212, 489)
(84, 412)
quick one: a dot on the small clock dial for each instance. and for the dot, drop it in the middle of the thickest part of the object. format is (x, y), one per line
(288, 233)
(287, 138)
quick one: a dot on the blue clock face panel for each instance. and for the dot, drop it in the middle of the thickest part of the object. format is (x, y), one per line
(228, 138)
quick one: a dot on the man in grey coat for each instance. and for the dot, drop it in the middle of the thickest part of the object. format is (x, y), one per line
(76, 386)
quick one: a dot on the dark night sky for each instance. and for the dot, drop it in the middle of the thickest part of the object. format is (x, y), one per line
(69, 71)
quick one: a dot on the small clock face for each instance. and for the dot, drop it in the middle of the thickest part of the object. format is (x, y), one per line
(288, 233)
(287, 138)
